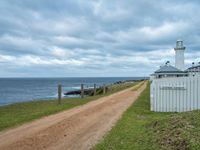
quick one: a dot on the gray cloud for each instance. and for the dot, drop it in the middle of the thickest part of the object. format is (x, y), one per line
(94, 38)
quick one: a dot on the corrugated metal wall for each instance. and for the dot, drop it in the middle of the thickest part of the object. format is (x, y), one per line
(175, 94)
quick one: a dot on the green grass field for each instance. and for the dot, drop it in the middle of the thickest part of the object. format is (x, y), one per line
(141, 129)
(16, 114)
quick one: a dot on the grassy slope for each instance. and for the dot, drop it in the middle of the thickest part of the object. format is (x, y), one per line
(19, 113)
(141, 129)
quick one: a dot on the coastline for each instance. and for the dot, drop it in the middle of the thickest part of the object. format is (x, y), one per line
(27, 111)
(14, 90)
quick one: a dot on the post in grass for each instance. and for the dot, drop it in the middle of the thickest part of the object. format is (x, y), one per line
(95, 89)
(82, 91)
(59, 93)
(104, 89)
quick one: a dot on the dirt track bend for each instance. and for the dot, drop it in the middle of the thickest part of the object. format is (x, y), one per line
(79, 128)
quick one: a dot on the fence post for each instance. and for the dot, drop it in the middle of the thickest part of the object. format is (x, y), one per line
(59, 93)
(82, 91)
(104, 89)
(111, 86)
(95, 89)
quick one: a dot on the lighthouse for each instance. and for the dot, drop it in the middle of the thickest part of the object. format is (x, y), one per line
(179, 55)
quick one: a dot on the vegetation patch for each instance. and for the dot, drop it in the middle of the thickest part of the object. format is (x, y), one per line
(141, 129)
(179, 131)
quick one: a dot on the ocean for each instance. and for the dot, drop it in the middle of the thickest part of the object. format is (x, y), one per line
(14, 90)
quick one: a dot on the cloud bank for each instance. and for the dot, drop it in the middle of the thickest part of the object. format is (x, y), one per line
(94, 38)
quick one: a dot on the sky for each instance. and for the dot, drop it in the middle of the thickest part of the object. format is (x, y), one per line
(95, 38)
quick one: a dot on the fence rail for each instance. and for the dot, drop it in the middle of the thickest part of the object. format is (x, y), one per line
(82, 90)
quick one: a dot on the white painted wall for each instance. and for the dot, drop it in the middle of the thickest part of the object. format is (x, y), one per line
(175, 94)
(179, 59)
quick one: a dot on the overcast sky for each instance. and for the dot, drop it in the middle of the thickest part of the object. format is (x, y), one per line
(69, 38)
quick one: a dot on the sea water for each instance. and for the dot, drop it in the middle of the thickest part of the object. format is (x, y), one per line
(13, 90)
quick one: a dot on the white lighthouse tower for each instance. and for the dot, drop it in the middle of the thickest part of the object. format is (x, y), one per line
(179, 57)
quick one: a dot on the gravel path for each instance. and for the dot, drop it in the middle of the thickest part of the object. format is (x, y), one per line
(79, 128)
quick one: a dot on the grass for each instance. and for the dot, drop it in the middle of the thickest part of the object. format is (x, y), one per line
(19, 113)
(118, 87)
(141, 129)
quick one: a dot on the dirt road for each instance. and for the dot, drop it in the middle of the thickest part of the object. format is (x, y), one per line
(79, 128)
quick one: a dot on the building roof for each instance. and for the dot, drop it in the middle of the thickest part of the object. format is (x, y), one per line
(193, 67)
(168, 69)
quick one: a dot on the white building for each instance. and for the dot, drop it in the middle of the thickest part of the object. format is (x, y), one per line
(194, 70)
(174, 89)
(179, 57)
(178, 70)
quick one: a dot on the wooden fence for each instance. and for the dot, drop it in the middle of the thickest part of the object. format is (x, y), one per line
(175, 94)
